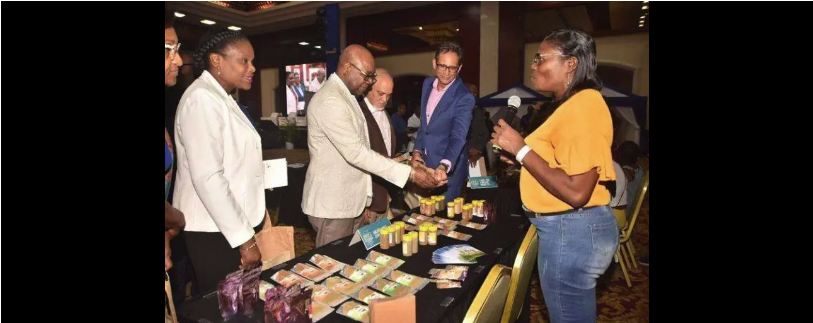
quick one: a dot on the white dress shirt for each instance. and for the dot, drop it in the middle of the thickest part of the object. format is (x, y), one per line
(414, 122)
(219, 184)
(383, 124)
(291, 100)
(315, 86)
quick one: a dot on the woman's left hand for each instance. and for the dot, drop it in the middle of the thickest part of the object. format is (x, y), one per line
(507, 138)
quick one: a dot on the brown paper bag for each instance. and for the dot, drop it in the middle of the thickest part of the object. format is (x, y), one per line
(276, 243)
(393, 310)
(169, 309)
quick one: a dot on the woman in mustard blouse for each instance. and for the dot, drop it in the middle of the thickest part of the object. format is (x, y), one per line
(565, 163)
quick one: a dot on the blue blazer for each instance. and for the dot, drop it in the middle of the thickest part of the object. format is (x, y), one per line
(445, 135)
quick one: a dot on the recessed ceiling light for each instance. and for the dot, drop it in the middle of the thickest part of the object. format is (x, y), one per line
(646, 2)
(420, 27)
(642, 17)
(235, 28)
(317, 47)
(304, 43)
(207, 22)
(458, 29)
(645, 7)
(179, 15)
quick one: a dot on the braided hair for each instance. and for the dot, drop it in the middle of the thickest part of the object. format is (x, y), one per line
(213, 43)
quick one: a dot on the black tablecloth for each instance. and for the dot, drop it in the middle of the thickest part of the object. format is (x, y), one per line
(500, 241)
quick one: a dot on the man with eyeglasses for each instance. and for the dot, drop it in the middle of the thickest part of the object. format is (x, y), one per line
(446, 112)
(338, 185)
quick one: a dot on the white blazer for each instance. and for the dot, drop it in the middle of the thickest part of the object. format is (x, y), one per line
(219, 185)
(291, 100)
(338, 183)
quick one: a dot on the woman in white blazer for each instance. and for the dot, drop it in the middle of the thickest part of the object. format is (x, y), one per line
(219, 184)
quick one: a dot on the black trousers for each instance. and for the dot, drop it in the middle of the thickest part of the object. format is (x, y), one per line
(212, 257)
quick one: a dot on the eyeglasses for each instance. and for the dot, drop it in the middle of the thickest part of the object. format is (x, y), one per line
(368, 77)
(443, 68)
(171, 50)
(538, 58)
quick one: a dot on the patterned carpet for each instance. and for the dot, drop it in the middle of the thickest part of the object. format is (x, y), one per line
(616, 302)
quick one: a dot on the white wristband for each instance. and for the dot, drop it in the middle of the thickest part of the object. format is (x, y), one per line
(522, 152)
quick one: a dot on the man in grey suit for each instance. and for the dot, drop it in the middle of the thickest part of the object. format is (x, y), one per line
(338, 185)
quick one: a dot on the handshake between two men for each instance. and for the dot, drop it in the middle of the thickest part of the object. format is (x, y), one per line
(424, 176)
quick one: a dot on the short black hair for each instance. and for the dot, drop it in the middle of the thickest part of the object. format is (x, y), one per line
(450, 47)
(169, 19)
(214, 42)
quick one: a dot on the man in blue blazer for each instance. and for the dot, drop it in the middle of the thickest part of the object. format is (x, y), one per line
(446, 112)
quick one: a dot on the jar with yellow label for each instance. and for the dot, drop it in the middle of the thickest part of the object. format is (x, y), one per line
(438, 205)
(458, 205)
(466, 214)
(433, 235)
(391, 235)
(414, 236)
(407, 246)
(399, 231)
(385, 239)
(422, 231)
(450, 209)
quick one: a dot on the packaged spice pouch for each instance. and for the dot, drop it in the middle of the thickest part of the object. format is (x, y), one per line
(264, 287)
(310, 272)
(342, 285)
(385, 260)
(230, 296)
(447, 274)
(391, 288)
(449, 284)
(366, 295)
(358, 276)
(456, 235)
(327, 296)
(327, 264)
(251, 290)
(372, 268)
(288, 304)
(413, 282)
(355, 311)
(288, 279)
(318, 311)
(476, 226)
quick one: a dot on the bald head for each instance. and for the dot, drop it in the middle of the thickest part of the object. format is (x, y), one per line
(354, 63)
(382, 89)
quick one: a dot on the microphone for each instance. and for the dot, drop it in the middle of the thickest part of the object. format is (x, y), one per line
(513, 105)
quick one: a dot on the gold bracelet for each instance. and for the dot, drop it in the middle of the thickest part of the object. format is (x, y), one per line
(252, 246)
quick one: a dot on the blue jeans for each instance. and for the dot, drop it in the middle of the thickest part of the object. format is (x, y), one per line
(575, 248)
